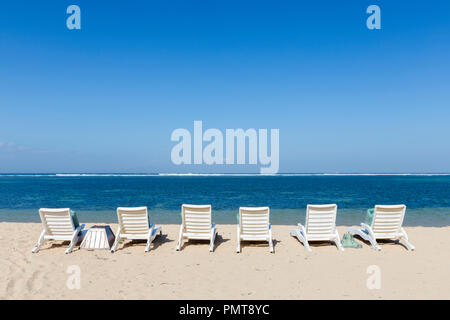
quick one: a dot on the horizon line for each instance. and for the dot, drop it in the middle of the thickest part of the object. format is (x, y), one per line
(162, 174)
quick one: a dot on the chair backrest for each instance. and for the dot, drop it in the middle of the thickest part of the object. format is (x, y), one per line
(133, 220)
(57, 222)
(196, 218)
(321, 219)
(388, 219)
(254, 221)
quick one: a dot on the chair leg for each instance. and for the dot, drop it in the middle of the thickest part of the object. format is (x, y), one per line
(39, 243)
(408, 244)
(116, 241)
(73, 242)
(116, 244)
(307, 247)
(180, 238)
(374, 243)
(301, 237)
(238, 249)
(337, 241)
(153, 232)
(213, 238)
(270, 241)
(368, 237)
(149, 241)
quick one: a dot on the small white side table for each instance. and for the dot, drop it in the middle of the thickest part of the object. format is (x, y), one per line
(98, 237)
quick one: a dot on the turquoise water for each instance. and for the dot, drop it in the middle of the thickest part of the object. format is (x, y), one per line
(95, 197)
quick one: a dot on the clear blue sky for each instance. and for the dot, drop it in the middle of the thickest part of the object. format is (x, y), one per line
(106, 98)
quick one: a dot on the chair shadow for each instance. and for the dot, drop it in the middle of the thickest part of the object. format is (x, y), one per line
(158, 241)
(219, 241)
(47, 245)
(55, 245)
(194, 242)
(381, 242)
(318, 244)
(259, 244)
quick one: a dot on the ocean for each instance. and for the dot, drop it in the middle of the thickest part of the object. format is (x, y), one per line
(95, 197)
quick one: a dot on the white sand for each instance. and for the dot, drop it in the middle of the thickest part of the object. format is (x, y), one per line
(195, 273)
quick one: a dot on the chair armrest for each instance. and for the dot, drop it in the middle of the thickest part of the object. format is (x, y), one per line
(151, 227)
(302, 228)
(79, 229)
(365, 226)
(369, 229)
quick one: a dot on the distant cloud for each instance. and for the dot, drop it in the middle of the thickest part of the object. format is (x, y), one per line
(11, 147)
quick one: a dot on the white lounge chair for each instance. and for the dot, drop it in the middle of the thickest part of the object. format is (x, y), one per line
(320, 226)
(134, 225)
(386, 224)
(254, 225)
(196, 224)
(58, 225)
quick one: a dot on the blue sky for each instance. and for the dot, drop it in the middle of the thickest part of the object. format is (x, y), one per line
(106, 98)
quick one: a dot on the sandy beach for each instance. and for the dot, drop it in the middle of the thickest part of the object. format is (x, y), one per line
(195, 273)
